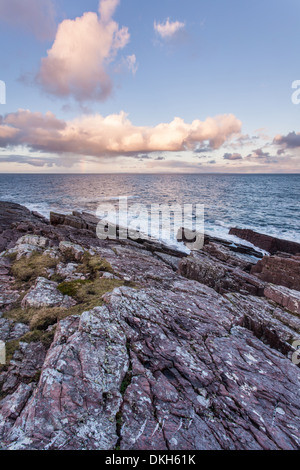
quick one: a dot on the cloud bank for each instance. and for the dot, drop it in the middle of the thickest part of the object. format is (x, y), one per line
(77, 63)
(35, 16)
(114, 135)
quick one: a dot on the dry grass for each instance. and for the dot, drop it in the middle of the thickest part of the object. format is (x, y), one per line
(29, 269)
(88, 295)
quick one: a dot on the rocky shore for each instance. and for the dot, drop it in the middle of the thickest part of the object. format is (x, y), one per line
(132, 345)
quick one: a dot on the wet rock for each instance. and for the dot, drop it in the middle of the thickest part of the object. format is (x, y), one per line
(278, 270)
(45, 294)
(41, 217)
(217, 246)
(266, 242)
(290, 299)
(226, 255)
(192, 239)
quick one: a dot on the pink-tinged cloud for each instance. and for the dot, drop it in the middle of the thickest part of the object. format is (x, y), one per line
(289, 141)
(232, 156)
(77, 63)
(35, 16)
(169, 29)
(114, 135)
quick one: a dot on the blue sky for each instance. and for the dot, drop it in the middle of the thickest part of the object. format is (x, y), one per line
(191, 59)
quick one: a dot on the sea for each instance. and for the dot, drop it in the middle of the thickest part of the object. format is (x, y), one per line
(268, 204)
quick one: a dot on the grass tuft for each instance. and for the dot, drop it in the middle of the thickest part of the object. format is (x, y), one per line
(29, 269)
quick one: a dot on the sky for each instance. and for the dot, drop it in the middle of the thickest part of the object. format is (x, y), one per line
(131, 86)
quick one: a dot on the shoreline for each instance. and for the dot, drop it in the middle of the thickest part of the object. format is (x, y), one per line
(226, 238)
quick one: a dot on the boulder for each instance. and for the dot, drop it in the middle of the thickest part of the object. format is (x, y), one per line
(10, 330)
(8, 295)
(277, 270)
(14, 220)
(45, 294)
(67, 271)
(24, 367)
(71, 251)
(29, 244)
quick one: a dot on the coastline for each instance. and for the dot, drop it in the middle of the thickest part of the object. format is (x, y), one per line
(145, 346)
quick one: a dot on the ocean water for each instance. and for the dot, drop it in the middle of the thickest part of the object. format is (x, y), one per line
(266, 203)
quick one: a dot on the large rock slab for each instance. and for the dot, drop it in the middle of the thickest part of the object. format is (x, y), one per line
(219, 275)
(266, 242)
(161, 369)
(271, 324)
(290, 299)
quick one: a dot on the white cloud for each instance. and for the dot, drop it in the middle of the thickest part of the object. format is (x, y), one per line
(169, 29)
(131, 64)
(77, 63)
